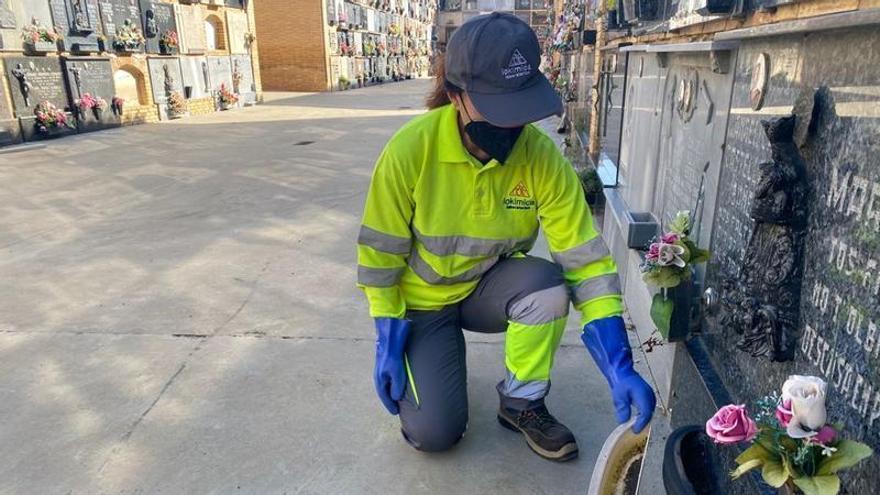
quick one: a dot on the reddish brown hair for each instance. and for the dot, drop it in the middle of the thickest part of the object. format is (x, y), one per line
(439, 94)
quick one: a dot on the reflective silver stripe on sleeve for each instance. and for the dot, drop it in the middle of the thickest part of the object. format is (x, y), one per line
(379, 277)
(473, 246)
(605, 285)
(543, 306)
(580, 256)
(531, 390)
(385, 243)
(428, 274)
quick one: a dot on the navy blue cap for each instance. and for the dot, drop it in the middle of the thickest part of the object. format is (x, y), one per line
(495, 59)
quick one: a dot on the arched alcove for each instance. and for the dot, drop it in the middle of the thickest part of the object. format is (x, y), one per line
(129, 82)
(215, 33)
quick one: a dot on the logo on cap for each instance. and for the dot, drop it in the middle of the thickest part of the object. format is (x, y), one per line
(517, 67)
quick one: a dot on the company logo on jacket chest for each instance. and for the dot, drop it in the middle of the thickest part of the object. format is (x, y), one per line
(519, 198)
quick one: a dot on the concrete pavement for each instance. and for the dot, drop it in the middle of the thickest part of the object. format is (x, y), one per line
(179, 315)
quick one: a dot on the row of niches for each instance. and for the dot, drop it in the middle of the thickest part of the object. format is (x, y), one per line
(38, 27)
(406, 19)
(369, 45)
(358, 72)
(494, 5)
(54, 96)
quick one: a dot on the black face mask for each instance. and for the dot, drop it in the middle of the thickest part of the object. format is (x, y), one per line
(497, 142)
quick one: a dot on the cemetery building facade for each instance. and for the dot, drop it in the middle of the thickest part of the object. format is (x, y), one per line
(694, 104)
(453, 13)
(72, 66)
(321, 45)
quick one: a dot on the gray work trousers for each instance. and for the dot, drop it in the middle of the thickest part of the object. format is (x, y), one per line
(435, 415)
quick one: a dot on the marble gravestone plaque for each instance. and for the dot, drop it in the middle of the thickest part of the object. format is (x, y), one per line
(194, 70)
(35, 79)
(94, 76)
(89, 75)
(115, 13)
(78, 22)
(237, 25)
(220, 72)
(243, 79)
(194, 38)
(165, 77)
(158, 19)
(15, 15)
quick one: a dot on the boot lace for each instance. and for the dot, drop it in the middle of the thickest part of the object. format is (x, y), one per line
(540, 417)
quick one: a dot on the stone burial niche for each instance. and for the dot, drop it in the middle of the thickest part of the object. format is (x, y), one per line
(78, 23)
(38, 88)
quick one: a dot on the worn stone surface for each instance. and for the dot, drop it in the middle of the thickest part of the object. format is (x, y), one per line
(165, 76)
(243, 78)
(184, 318)
(220, 72)
(840, 296)
(194, 38)
(237, 28)
(194, 71)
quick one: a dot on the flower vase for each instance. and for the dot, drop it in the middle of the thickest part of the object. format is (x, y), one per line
(225, 106)
(98, 112)
(41, 47)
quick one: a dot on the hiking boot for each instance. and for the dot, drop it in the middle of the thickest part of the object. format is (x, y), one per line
(545, 435)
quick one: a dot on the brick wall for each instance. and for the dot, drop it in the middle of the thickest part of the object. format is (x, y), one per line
(201, 106)
(292, 41)
(143, 114)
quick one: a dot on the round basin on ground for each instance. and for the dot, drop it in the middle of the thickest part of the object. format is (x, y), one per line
(617, 468)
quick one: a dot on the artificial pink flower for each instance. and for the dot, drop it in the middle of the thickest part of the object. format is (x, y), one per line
(826, 435)
(783, 413)
(731, 424)
(670, 238)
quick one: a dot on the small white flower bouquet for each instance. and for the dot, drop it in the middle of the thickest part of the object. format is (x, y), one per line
(792, 442)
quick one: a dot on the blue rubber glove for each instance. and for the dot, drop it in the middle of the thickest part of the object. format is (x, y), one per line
(606, 340)
(390, 371)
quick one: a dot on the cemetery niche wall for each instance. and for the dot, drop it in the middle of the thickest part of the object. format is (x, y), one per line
(160, 27)
(77, 53)
(829, 319)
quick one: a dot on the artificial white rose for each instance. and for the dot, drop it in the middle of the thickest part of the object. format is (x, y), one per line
(807, 396)
(670, 254)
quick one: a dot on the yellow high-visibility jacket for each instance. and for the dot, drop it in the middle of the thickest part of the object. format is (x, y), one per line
(436, 219)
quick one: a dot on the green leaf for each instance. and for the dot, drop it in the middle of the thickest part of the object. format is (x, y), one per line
(848, 454)
(756, 451)
(745, 468)
(665, 277)
(700, 256)
(775, 473)
(661, 313)
(819, 485)
(681, 223)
